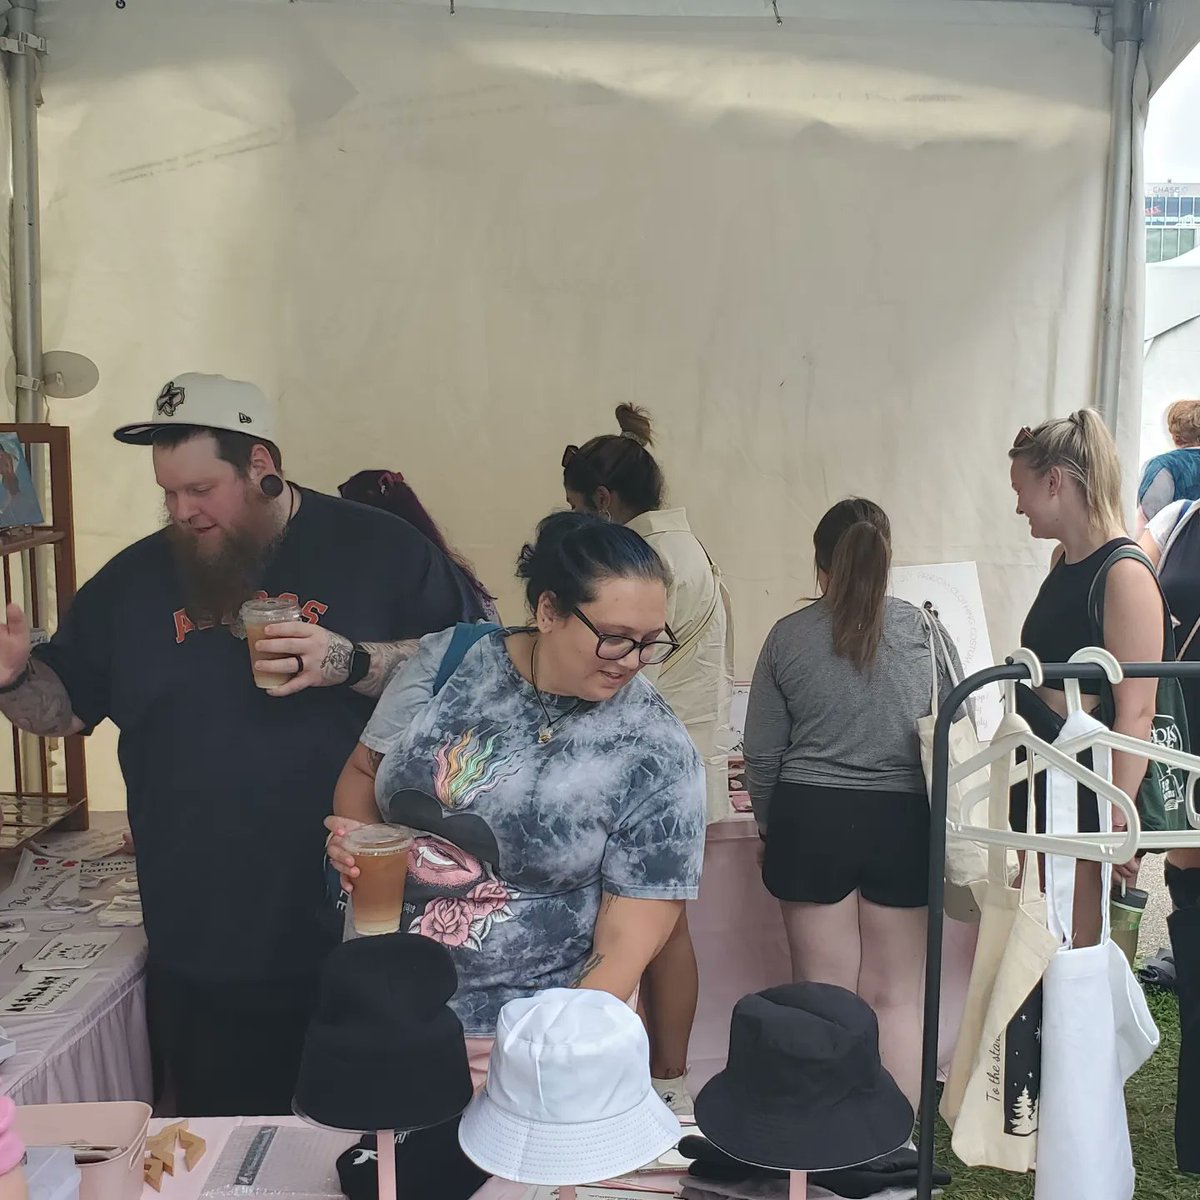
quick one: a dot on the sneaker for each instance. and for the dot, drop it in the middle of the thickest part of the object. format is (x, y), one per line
(674, 1094)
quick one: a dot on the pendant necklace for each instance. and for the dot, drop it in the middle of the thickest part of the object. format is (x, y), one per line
(547, 730)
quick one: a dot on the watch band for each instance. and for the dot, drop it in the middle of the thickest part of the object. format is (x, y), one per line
(360, 664)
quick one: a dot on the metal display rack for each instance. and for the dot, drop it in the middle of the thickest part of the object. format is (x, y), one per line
(1011, 672)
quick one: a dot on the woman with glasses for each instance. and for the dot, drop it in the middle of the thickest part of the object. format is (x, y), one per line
(833, 764)
(558, 804)
(616, 476)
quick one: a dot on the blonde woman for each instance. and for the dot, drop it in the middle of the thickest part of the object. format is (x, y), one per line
(1067, 479)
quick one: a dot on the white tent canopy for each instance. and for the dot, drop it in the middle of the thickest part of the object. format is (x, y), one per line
(851, 252)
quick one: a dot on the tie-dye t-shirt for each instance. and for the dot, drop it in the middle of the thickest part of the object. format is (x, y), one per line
(517, 839)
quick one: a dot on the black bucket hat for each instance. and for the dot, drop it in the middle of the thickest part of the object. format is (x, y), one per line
(384, 1050)
(804, 1089)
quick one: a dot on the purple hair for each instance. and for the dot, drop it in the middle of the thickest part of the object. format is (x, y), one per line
(388, 490)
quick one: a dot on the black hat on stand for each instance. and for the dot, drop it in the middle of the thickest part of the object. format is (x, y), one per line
(804, 1089)
(384, 1050)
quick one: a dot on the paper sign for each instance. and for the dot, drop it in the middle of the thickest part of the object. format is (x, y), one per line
(953, 591)
(108, 868)
(43, 993)
(122, 910)
(89, 844)
(39, 881)
(70, 952)
(10, 942)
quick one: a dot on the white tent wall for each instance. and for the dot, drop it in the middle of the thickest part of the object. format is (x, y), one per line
(832, 256)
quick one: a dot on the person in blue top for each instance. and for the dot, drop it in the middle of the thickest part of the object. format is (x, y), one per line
(1176, 474)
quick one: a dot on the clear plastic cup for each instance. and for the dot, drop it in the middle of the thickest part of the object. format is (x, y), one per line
(256, 615)
(381, 856)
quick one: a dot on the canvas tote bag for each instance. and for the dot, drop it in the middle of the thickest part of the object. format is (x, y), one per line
(966, 861)
(991, 1097)
(1096, 1031)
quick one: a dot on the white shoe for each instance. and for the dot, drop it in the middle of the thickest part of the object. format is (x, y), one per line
(674, 1094)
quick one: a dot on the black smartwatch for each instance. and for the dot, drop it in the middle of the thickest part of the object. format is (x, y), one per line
(360, 664)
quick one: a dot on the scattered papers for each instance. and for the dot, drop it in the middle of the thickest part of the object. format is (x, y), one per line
(44, 993)
(39, 881)
(71, 952)
(107, 868)
(122, 910)
(88, 845)
(10, 942)
(12, 925)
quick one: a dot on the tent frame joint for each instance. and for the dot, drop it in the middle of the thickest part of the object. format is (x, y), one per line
(19, 43)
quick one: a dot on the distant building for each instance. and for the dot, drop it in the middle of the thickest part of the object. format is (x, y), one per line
(1172, 219)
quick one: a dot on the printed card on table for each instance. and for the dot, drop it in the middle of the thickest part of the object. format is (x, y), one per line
(44, 993)
(40, 881)
(89, 844)
(10, 942)
(71, 952)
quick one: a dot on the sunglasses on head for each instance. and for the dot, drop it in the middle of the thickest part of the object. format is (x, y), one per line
(568, 454)
(1024, 436)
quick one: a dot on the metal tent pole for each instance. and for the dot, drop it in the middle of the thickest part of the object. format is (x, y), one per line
(1127, 40)
(22, 46)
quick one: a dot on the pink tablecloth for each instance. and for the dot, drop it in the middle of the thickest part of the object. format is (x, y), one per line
(95, 1048)
(741, 948)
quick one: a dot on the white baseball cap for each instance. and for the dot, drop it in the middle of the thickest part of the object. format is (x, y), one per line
(568, 1098)
(208, 401)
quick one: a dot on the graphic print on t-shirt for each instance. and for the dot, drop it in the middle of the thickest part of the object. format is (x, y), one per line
(466, 767)
(462, 858)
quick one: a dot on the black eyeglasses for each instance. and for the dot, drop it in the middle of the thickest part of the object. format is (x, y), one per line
(612, 648)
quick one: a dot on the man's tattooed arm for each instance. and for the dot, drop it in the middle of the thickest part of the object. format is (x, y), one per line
(40, 704)
(386, 659)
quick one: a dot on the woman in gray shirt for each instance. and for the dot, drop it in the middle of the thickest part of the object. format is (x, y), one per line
(833, 765)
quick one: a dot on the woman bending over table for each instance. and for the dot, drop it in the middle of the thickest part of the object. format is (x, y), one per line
(557, 802)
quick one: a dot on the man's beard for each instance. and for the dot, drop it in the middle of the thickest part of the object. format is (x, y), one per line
(216, 586)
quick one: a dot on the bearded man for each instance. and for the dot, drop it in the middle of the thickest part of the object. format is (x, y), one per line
(227, 783)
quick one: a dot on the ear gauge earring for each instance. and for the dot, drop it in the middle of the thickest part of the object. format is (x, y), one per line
(271, 486)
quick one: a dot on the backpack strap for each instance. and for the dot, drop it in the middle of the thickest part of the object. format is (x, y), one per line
(1096, 597)
(465, 636)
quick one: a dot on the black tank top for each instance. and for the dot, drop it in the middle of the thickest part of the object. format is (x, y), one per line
(1058, 624)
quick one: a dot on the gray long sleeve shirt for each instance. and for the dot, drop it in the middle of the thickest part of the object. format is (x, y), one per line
(814, 718)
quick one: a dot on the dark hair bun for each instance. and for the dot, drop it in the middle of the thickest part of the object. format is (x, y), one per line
(574, 552)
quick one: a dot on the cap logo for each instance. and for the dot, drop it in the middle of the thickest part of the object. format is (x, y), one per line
(245, 420)
(169, 400)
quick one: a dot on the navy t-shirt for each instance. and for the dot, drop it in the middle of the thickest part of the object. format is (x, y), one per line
(228, 787)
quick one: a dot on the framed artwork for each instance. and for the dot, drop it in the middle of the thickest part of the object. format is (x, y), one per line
(19, 504)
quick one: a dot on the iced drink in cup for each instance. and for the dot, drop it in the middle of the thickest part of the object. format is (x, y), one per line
(256, 616)
(381, 856)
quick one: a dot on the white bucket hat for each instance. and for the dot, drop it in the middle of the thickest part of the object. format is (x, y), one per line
(568, 1098)
(209, 401)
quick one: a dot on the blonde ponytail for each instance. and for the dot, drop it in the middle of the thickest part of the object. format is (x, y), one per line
(1082, 447)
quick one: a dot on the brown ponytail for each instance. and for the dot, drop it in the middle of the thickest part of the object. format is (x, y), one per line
(854, 549)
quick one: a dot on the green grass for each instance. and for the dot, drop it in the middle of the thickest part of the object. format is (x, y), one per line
(1150, 1098)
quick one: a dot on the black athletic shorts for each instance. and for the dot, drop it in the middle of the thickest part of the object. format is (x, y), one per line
(824, 843)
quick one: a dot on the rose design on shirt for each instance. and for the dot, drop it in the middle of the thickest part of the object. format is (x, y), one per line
(466, 920)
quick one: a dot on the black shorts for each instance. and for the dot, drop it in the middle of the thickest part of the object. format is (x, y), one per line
(1087, 809)
(824, 843)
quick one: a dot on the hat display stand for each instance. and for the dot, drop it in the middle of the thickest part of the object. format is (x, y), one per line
(803, 1089)
(568, 1100)
(383, 1016)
